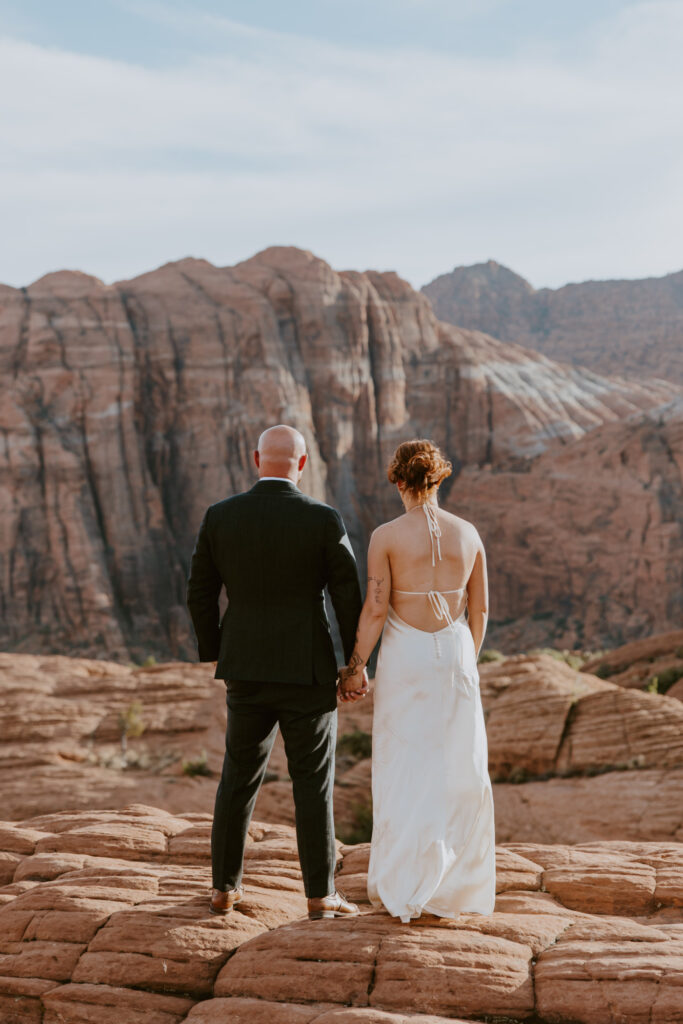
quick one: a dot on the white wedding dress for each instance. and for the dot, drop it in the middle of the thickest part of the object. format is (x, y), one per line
(433, 843)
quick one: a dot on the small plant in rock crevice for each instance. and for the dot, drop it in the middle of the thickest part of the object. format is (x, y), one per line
(356, 745)
(131, 724)
(198, 766)
(490, 655)
(665, 679)
(359, 829)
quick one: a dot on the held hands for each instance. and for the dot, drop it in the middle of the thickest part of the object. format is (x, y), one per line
(353, 684)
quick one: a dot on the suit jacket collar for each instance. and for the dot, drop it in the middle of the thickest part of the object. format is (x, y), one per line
(275, 487)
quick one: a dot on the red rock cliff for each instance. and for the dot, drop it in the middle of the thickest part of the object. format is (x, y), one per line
(633, 327)
(127, 409)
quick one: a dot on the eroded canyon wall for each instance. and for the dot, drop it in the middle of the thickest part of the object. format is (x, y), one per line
(633, 327)
(126, 409)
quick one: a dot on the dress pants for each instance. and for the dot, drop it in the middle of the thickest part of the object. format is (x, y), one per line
(307, 717)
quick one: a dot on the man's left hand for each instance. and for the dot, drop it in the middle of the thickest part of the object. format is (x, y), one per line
(352, 687)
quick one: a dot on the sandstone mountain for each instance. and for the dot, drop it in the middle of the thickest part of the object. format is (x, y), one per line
(104, 919)
(573, 758)
(607, 507)
(634, 327)
(654, 664)
(126, 409)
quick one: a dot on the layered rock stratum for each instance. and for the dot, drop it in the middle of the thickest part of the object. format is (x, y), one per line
(126, 409)
(104, 918)
(654, 664)
(623, 326)
(573, 758)
(574, 519)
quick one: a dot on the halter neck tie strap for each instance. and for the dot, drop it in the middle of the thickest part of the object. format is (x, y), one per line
(460, 679)
(440, 607)
(434, 530)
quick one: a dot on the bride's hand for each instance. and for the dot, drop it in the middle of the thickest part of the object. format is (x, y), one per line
(352, 685)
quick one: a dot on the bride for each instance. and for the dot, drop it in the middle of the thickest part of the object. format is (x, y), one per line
(433, 846)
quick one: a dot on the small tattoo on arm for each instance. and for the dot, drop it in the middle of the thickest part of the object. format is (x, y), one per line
(378, 581)
(355, 661)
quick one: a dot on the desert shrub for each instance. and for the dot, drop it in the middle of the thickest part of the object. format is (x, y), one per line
(592, 655)
(575, 661)
(356, 744)
(516, 775)
(591, 770)
(604, 671)
(490, 655)
(131, 724)
(359, 830)
(197, 767)
(665, 679)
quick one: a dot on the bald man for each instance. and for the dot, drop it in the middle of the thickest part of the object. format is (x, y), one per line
(275, 550)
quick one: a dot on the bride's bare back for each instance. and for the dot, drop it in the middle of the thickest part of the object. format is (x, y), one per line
(410, 546)
(403, 556)
(428, 565)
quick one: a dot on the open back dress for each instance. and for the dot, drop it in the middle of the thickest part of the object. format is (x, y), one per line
(433, 843)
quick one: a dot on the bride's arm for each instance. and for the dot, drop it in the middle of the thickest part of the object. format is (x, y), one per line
(478, 599)
(373, 615)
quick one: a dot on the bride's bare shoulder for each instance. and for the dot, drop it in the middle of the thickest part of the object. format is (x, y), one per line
(385, 531)
(464, 525)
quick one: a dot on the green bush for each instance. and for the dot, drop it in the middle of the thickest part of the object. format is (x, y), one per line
(356, 744)
(360, 829)
(490, 655)
(197, 767)
(604, 671)
(664, 680)
(131, 724)
(573, 660)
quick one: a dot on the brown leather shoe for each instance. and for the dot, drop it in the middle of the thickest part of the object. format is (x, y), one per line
(335, 905)
(223, 902)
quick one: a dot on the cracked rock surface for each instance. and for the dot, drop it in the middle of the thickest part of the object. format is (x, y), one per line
(573, 758)
(104, 918)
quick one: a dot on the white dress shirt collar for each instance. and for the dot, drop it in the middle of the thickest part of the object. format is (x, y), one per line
(284, 479)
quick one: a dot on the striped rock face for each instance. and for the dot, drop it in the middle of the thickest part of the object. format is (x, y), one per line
(104, 917)
(626, 327)
(573, 758)
(126, 409)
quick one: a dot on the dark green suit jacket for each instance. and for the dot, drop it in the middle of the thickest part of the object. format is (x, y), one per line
(274, 550)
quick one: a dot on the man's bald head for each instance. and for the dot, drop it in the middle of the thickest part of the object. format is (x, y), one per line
(281, 452)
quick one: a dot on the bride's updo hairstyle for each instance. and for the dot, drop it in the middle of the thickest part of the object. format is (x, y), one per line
(420, 465)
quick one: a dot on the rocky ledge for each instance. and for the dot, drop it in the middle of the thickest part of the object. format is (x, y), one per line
(103, 918)
(567, 751)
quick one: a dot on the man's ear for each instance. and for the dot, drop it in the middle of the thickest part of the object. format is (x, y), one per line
(256, 458)
(302, 461)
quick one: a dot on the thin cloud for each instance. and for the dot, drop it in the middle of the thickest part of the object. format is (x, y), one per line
(401, 159)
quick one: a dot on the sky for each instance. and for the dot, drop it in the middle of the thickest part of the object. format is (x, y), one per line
(406, 135)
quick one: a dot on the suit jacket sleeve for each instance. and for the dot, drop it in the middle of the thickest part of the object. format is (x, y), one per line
(342, 581)
(203, 589)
